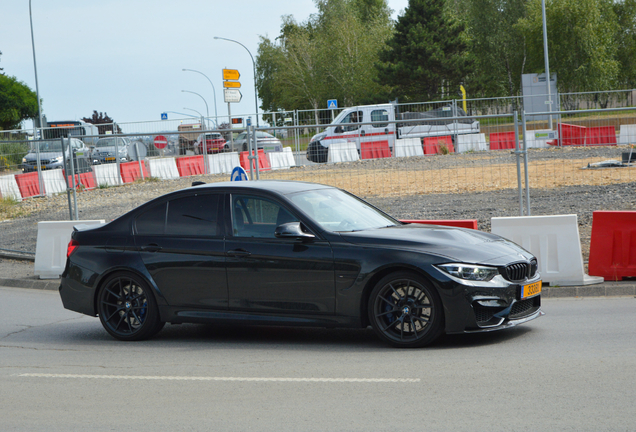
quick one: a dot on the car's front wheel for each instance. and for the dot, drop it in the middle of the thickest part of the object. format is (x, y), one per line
(405, 310)
(127, 308)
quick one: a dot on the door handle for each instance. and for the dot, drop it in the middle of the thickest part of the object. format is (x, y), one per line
(238, 253)
(151, 248)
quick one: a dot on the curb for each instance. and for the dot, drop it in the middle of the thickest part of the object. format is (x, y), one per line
(605, 289)
(48, 285)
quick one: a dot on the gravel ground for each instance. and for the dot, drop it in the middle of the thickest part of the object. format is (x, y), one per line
(19, 233)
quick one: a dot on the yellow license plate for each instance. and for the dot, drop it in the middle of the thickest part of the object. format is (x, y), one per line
(110, 159)
(531, 290)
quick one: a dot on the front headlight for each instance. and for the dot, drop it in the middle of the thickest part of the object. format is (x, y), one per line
(57, 159)
(470, 272)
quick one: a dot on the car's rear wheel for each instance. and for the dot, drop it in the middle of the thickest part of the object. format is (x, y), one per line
(127, 308)
(405, 311)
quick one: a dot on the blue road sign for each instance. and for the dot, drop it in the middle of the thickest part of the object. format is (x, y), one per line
(248, 121)
(238, 174)
(164, 116)
(332, 104)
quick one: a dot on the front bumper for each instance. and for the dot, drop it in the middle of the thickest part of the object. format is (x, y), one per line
(316, 152)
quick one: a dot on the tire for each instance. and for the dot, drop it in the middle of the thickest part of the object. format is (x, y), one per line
(245, 147)
(405, 311)
(127, 308)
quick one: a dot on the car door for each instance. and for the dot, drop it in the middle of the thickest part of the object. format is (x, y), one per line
(378, 134)
(181, 244)
(349, 129)
(275, 275)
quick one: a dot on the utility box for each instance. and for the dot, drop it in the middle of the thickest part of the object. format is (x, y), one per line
(535, 95)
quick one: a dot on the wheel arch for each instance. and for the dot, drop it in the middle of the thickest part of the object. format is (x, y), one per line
(364, 298)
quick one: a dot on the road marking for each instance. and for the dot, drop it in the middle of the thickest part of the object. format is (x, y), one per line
(249, 379)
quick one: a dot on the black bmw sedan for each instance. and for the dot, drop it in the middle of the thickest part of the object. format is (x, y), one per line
(291, 253)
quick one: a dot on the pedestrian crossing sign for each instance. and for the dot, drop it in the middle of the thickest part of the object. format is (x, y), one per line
(332, 104)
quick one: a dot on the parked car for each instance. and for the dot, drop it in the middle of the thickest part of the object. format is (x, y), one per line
(293, 253)
(105, 148)
(264, 140)
(52, 157)
(214, 143)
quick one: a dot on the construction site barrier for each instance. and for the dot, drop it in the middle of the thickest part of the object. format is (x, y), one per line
(600, 135)
(9, 188)
(461, 223)
(569, 135)
(342, 152)
(375, 150)
(53, 182)
(223, 163)
(130, 171)
(163, 168)
(282, 160)
(407, 147)
(502, 140)
(554, 240)
(613, 245)
(83, 180)
(434, 145)
(190, 165)
(107, 175)
(627, 134)
(51, 245)
(471, 142)
(263, 161)
(538, 138)
(28, 184)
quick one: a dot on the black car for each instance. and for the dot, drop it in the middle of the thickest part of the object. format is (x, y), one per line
(291, 253)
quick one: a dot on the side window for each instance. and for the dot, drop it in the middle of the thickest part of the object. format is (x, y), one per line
(257, 217)
(152, 221)
(380, 116)
(194, 215)
(353, 117)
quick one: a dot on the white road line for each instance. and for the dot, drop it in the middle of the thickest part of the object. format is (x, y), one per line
(249, 379)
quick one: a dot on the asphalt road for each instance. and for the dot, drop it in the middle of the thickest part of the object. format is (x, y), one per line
(571, 370)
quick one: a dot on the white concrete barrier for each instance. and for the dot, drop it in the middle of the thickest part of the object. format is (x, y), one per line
(627, 134)
(471, 142)
(223, 163)
(342, 152)
(107, 174)
(554, 240)
(407, 147)
(50, 249)
(53, 182)
(281, 160)
(163, 168)
(540, 138)
(9, 187)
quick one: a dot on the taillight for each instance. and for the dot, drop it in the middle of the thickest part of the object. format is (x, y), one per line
(72, 245)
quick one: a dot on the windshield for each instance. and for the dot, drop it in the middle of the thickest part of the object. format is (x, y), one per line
(50, 146)
(110, 142)
(336, 210)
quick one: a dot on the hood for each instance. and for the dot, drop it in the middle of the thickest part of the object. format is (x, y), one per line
(44, 155)
(449, 243)
(110, 149)
(318, 137)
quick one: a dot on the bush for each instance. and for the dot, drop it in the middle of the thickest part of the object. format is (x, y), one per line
(11, 154)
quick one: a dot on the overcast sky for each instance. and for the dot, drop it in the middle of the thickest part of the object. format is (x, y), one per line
(125, 57)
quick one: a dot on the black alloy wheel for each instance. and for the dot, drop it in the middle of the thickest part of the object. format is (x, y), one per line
(127, 308)
(405, 311)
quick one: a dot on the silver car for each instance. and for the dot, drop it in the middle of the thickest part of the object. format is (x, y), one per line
(264, 140)
(105, 148)
(51, 156)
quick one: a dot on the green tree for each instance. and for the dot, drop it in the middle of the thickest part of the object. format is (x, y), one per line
(495, 44)
(581, 43)
(427, 53)
(17, 103)
(103, 121)
(626, 39)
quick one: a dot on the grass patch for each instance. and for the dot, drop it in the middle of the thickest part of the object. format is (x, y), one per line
(9, 208)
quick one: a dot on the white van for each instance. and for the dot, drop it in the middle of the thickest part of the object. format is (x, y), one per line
(381, 128)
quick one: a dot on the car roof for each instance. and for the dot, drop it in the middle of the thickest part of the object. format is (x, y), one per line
(281, 187)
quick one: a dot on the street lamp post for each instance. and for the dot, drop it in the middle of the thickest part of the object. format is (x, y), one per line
(254, 66)
(547, 62)
(190, 109)
(206, 104)
(216, 115)
(37, 88)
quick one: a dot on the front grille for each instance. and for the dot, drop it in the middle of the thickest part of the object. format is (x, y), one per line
(521, 271)
(524, 308)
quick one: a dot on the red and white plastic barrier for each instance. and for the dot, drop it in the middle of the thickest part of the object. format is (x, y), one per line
(342, 152)
(471, 142)
(407, 147)
(223, 163)
(163, 168)
(613, 245)
(281, 160)
(9, 188)
(107, 174)
(53, 182)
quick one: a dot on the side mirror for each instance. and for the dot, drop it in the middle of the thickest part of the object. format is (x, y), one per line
(339, 129)
(292, 230)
